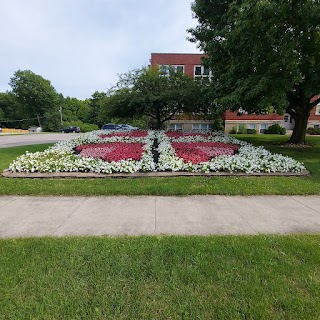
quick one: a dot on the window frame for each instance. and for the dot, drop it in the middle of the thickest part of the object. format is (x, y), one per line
(208, 127)
(168, 66)
(202, 75)
(175, 127)
(262, 130)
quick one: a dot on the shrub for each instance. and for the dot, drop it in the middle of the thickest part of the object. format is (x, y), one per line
(233, 130)
(313, 131)
(242, 130)
(251, 131)
(84, 127)
(218, 125)
(87, 127)
(283, 131)
(275, 129)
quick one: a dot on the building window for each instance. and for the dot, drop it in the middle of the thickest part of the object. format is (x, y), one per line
(263, 127)
(202, 73)
(251, 126)
(286, 118)
(201, 127)
(175, 127)
(316, 126)
(165, 69)
(318, 109)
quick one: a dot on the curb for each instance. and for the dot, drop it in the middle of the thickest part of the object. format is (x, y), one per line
(80, 175)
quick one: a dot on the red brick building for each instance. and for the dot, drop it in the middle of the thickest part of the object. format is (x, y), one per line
(191, 65)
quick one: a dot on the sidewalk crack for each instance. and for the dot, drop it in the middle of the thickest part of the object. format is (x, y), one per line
(69, 216)
(237, 212)
(305, 205)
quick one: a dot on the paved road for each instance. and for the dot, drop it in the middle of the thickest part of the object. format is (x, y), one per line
(194, 215)
(13, 140)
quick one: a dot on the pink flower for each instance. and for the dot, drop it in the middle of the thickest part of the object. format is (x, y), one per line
(197, 152)
(113, 151)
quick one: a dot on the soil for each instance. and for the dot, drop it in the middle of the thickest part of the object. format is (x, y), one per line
(155, 151)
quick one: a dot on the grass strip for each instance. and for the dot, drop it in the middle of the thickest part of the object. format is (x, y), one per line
(165, 277)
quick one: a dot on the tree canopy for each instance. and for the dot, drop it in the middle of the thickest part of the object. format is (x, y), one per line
(262, 53)
(34, 93)
(152, 93)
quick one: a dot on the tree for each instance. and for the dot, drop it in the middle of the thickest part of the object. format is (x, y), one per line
(13, 114)
(34, 93)
(96, 103)
(151, 93)
(74, 109)
(262, 53)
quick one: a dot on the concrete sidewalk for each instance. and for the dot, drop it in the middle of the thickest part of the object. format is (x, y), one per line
(150, 215)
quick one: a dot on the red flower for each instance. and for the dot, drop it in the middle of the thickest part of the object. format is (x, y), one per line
(197, 152)
(113, 151)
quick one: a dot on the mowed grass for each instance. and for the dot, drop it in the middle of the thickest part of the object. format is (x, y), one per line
(225, 277)
(179, 185)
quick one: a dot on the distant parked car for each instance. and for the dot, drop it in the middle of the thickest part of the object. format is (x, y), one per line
(128, 127)
(71, 129)
(0, 130)
(111, 126)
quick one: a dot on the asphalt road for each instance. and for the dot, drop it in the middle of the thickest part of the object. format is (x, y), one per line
(14, 140)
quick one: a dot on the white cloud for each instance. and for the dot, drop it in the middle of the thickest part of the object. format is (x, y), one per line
(81, 45)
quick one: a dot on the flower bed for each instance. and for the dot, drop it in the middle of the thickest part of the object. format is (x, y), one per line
(98, 151)
(225, 153)
(129, 152)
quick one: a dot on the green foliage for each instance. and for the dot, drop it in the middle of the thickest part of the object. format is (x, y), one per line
(12, 111)
(51, 121)
(84, 127)
(275, 129)
(313, 131)
(98, 108)
(233, 130)
(262, 53)
(34, 93)
(251, 131)
(218, 125)
(147, 92)
(73, 109)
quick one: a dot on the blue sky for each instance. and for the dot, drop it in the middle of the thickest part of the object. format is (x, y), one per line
(82, 45)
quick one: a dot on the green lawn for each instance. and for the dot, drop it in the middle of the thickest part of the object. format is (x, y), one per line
(255, 277)
(180, 185)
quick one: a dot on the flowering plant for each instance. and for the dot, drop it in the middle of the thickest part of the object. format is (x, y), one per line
(231, 155)
(113, 151)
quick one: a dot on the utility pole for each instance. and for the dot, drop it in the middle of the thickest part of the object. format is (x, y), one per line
(38, 116)
(60, 110)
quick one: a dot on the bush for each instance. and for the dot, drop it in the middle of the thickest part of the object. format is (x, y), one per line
(218, 125)
(84, 127)
(251, 131)
(275, 129)
(233, 130)
(283, 131)
(242, 130)
(313, 131)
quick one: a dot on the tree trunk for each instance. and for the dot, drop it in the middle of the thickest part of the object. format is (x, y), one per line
(299, 132)
(159, 122)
